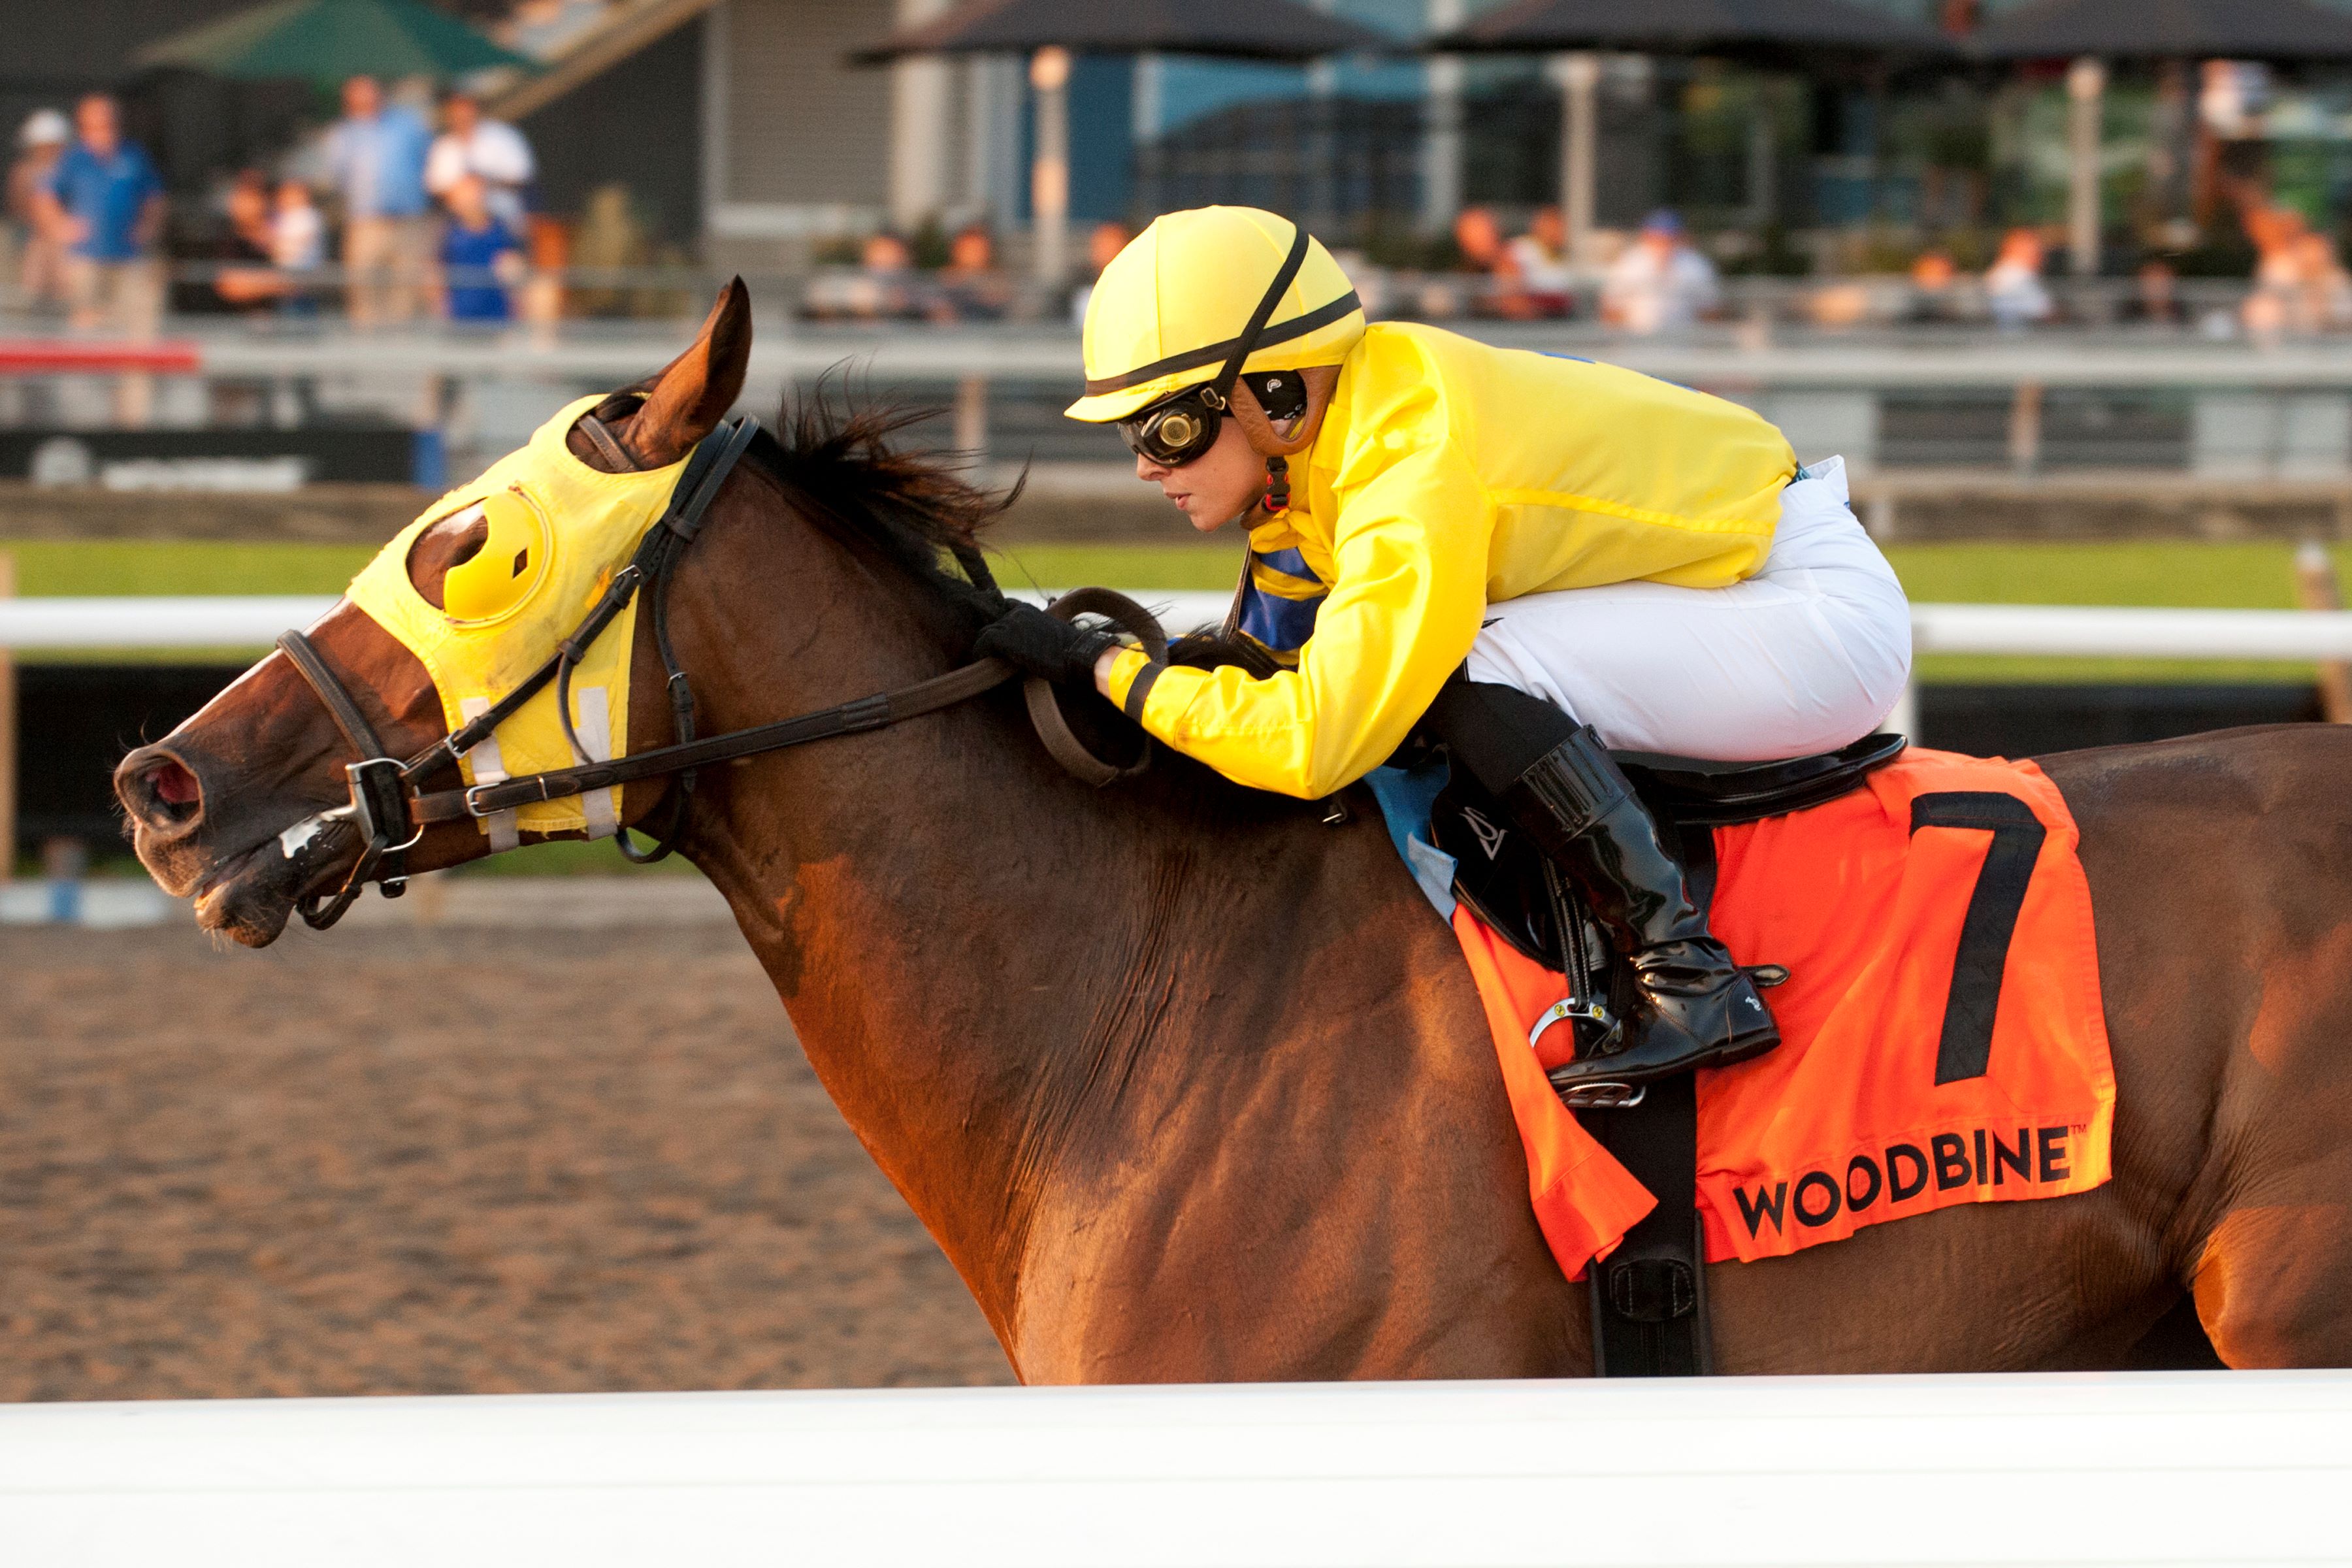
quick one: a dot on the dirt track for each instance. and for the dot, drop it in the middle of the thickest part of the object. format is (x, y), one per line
(410, 1161)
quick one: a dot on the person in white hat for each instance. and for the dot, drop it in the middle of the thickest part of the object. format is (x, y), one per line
(40, 255)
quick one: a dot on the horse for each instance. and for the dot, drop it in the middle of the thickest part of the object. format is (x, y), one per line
(1190, 1086)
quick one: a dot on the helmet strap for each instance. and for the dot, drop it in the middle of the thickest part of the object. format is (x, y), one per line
(1221, 391)
(1277, 485)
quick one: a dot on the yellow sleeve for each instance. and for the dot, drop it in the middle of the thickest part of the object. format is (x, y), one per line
(1410, 547)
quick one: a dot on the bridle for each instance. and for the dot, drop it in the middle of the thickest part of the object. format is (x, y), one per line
(391, 810)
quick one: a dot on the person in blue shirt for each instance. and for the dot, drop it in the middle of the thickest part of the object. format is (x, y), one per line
(104, 203)
(375, 155)
(480, 258)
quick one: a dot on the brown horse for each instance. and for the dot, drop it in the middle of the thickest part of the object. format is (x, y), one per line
(1191, 1086)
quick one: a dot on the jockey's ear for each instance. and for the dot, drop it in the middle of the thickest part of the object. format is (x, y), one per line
(694, 391)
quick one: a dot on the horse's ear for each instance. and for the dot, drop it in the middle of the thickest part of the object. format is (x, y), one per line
(694, 391)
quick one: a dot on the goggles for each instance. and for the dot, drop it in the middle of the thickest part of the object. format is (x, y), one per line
(1177, 430)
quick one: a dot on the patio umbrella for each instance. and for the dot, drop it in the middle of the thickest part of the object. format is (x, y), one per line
(326, 41)
(1772, 31)
(1050, 31)
(1230, 29)
(2092, 32)
(2276, 30)
(1778, 33)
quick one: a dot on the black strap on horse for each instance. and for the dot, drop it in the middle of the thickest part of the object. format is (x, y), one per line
(390, 811)
(1649, 1297)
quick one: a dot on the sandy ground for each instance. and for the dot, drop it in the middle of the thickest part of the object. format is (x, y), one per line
(400, 1161)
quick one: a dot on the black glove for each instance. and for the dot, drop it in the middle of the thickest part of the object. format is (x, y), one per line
(1042, 644)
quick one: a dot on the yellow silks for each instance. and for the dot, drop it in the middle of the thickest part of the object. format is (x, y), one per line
(1448, 476)
(559, 530)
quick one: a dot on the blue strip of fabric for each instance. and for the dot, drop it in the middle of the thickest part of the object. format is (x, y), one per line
(1288, 561)
(1282, 625)
(1405, 797)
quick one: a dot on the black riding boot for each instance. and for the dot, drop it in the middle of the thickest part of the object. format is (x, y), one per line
(1694, 1006)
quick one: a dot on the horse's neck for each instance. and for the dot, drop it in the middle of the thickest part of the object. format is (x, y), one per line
(964, 939)
(965, 949)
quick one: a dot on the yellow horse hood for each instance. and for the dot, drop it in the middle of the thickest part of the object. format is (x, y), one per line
(559, 532)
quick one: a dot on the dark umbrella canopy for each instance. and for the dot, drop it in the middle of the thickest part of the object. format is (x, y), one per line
(1735, 28)
(1235, 29)
(2168, 29)
(325, 41)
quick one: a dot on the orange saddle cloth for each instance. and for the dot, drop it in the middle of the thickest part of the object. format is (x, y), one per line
(1942, 1043)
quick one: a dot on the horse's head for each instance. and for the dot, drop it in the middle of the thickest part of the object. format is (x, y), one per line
(228, 806)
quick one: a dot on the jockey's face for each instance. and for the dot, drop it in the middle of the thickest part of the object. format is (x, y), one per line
(1215, 487)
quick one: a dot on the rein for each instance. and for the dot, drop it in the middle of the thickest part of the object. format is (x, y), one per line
(392, 812)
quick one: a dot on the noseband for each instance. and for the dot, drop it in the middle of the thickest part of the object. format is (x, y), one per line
(391, 810)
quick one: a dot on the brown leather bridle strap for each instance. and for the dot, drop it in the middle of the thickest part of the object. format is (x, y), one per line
(608, 446)
(338, 702)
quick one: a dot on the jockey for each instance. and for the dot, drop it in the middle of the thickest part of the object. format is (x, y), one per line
(1537, 558)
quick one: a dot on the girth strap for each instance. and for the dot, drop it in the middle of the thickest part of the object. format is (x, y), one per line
(1649, 1297)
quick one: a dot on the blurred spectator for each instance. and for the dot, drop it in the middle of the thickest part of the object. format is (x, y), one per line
(248, 280)
(1660, 284)
(1105, 241)
(40, 268)
(884, 287)
(375, 154)
(2014, 292)
(610, 239)
(971, 288)
(2157, 299)
(489, 149)
(104, 201)
(2322, 289)
(298, 231)
(549, 245)
(481, 258)
(1538, 265)
(1478, 238)
(2275, 302)
(1936, 294)
(297, 243)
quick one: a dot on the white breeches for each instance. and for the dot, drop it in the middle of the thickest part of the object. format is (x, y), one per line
(1807, 655)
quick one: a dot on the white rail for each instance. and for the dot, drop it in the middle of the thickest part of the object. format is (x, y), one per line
(2215, 1468)
(2053, 630)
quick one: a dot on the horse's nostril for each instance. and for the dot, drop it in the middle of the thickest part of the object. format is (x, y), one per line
(173, 789)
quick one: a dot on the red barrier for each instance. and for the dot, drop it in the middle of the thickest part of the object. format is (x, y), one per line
(37, 356)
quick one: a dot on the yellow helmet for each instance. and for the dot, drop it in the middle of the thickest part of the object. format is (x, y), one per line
(1173, 308)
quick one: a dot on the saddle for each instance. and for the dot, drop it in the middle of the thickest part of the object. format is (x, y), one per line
(1648, 1297)
(1512, 886)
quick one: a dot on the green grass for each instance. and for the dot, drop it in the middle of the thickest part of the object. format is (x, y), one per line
(46, 568)
(1211, 563)
(2258, 576)
(2247, 577)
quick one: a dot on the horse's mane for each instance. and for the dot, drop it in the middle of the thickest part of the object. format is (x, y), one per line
(915, 506)
(836, 454)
